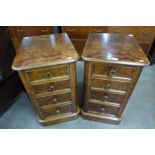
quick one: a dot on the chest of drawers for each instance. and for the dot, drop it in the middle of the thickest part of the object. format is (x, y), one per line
(47, 66)
(143, 34)
(19, 32)
(113, 64)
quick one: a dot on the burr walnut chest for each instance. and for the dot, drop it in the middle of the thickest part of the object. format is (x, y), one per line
(47, 67)
(113, 64)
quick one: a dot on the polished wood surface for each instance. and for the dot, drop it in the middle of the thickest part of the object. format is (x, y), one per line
(144, 34)
(44, 50)
(109, 82)
(49, 76)
(114, 48)
(19, 32)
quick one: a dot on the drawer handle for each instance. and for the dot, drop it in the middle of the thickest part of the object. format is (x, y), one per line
(112, 72)
(98, 31)
(145, 32)
(57, 111)
(48, 75)
(54, 101)
(18, 30)
(116, 31)
(105, 98)
(102, 110)
(44, 30)
(108, 86)
(70, 30)
(51, 88)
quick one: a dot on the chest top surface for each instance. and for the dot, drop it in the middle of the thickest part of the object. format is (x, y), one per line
(44, 50)
(114, 48)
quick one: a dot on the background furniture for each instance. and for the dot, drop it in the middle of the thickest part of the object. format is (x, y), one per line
(79, 34)
(18, 32)
(10, 84)
(113, 64)
(47, 67)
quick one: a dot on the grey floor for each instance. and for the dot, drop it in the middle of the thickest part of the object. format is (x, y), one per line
(139, 113)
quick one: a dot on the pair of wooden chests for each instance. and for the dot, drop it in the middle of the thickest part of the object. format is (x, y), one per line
(47, 67)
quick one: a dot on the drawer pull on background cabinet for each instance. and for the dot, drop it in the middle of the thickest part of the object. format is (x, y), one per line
(98, 31)
(145, 32)
(48, 75)
(44, 30)
(105, 98)
(51, 88)
(18, 30)
(112, 72)
(108, 86)
(70, 30)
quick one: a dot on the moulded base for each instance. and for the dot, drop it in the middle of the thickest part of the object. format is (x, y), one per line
(58, 119)
(100, 118)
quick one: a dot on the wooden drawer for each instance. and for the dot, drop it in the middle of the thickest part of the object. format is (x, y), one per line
(146, 33)
(82, 32)
(113, 71)
(141, 33)
(51, 87)
(79, 45)
(57, 110)
(102, 109)
(106, 97)
(47, 73)
(54, 99)
(108, 85)
(24, 31)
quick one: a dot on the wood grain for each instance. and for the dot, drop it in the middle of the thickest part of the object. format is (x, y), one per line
(44, 50)
(114, 48)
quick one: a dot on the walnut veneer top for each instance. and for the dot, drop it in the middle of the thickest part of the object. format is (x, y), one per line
(44, 50)
(114, 48)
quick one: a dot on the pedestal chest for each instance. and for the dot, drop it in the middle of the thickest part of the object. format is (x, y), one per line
(47, 67)
(113, 64)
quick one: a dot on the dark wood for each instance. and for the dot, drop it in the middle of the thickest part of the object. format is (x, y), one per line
(47, 67)
(113, 63)
(143, 34)
(19, 32)
(79, 34)
(118, 49)
(44, 50)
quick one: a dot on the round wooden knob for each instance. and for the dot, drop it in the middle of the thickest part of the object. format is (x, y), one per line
(112, 72)
(54, 101)
(51, 88)
(102, 110)
(105, 98)
(108, 86)
(48, 75)
(57, 111)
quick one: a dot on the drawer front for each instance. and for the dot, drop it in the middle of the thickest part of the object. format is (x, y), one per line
(54, 99)
(25, 31)
(57, 111)
(106, 97)
(141, 33)
(113, 71)
(79, 45)
(146, 33)
(51, 87)
(102, 109)
(82, 32)
(47, 73)
(109, 85)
